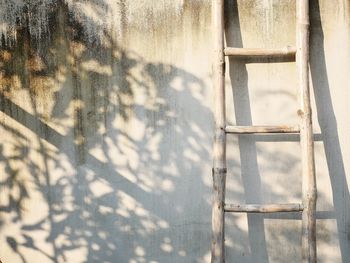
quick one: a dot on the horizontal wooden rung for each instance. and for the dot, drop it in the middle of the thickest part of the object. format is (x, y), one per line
(260, 52)
(272, 208)
(261, 129)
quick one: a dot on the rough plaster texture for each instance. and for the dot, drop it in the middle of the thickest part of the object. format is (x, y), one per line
(106, 127)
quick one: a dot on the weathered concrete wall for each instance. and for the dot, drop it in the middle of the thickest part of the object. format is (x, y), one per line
(106, 124)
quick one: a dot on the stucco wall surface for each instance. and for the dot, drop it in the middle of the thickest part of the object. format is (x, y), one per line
(106, 131)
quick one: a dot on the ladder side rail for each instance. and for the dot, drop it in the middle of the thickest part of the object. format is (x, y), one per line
(219, 162)
(306, 136)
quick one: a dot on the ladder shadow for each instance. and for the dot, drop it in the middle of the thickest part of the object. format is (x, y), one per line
(250, 174)
(329, 131)
(329, 136)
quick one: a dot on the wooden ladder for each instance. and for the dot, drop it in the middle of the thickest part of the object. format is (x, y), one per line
(309, 192)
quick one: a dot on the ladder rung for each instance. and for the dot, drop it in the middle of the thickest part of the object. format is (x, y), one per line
(273, 208)
(262, 129)
(260, 52)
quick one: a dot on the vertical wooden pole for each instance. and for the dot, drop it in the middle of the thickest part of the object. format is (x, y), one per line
(219, 162)
(306, 136)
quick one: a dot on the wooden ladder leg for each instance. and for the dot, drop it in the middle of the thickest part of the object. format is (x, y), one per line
(306, 136)
(219, 162)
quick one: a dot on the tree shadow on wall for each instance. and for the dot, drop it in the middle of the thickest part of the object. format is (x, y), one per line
(105, 156)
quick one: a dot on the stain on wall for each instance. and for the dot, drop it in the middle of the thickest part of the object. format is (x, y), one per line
(106, 123)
